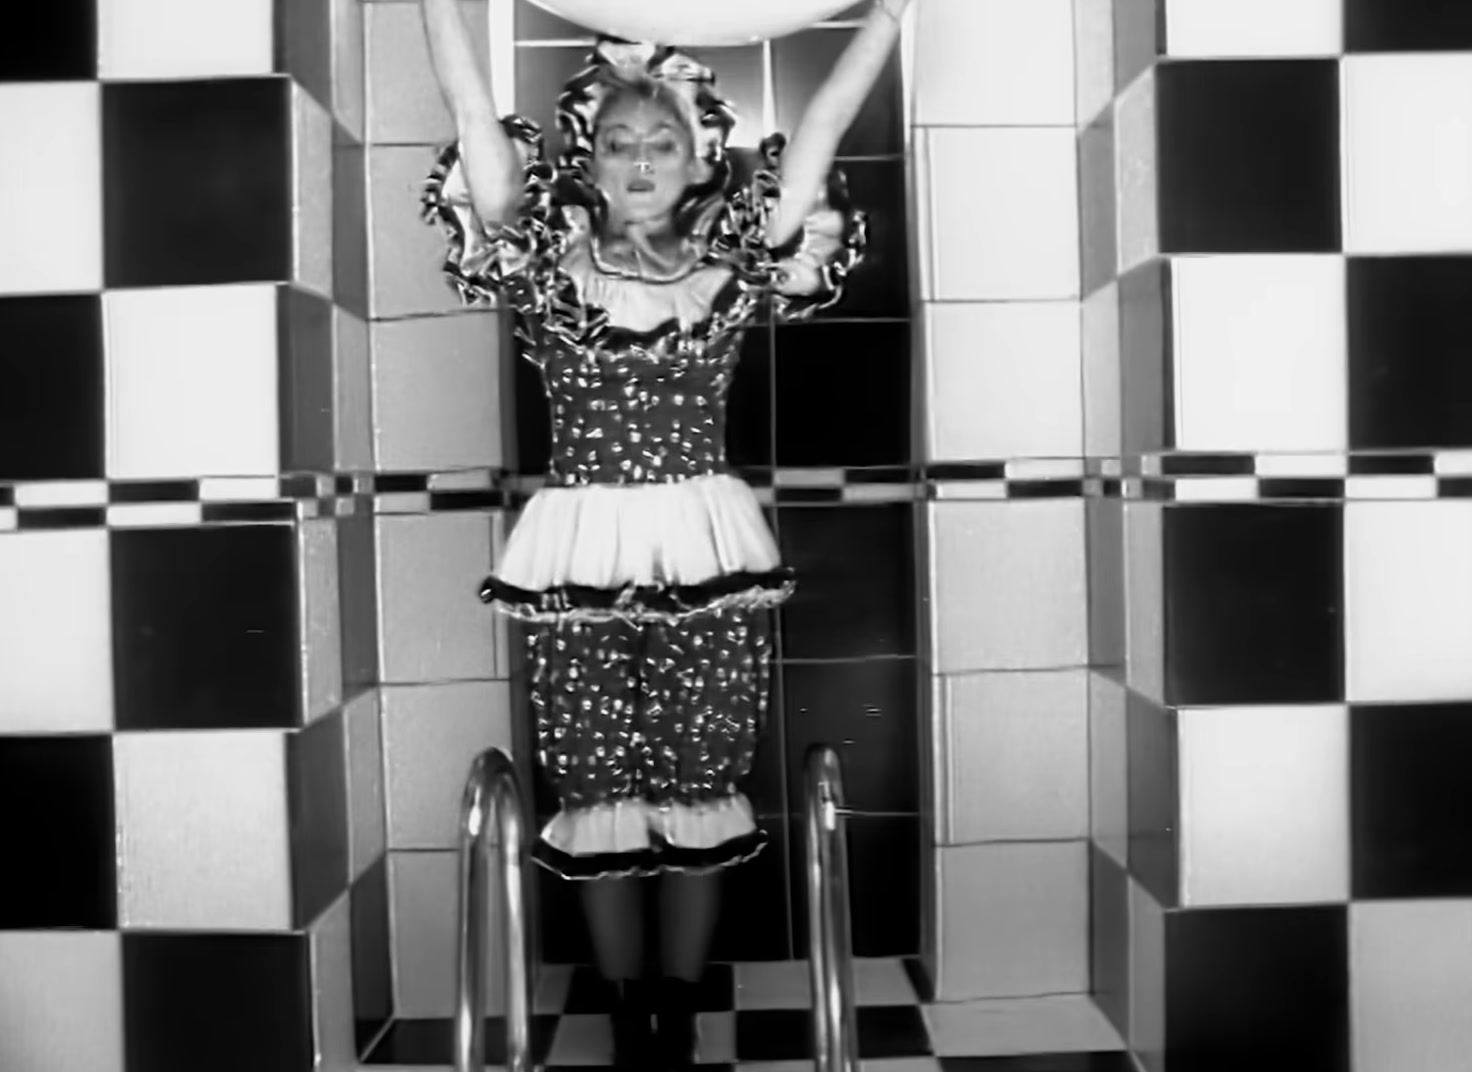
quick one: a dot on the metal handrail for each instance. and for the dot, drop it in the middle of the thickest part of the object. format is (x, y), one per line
(492, 800)
(830, 935)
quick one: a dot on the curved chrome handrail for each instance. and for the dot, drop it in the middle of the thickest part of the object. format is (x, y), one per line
(830, 937)
(492, 796)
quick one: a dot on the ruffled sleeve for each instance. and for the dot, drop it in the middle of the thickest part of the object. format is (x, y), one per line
(807, 272)
(509, 258)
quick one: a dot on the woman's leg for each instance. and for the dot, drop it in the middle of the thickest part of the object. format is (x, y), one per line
(689, 909)
(614, 908)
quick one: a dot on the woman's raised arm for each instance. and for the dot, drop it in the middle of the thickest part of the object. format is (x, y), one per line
(809, 156)
(492, 163)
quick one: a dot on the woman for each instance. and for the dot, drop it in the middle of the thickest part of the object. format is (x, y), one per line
(644, 572)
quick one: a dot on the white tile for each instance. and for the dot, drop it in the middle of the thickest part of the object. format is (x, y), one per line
(1147, 979)
(405, 255)
(422, 893)
(1102, 383)
(311, 171)
(1002, 208)
(1260, 353)
(1136, 176)
(1144, 570)
(1214, 28)
(784, 984)
(1093, 49)
(353, 384)
(1408, 600)
(55, 632)
(184, 38)
(1007, 585)
(362, 736)
(1014, 920)
(51, 188)
(431, 735)
(172, 415)
(321, 616)
(1069, 1023)
(1004, 380)
(1108, 768)
(437, 392)
(1410, 985)
(993, 63)
(1264, 805)
(432, 624)
(404, 103)
(348, 48)
(331, 945)
(61, 1001)
(203, 831)
(1016, 748)
(1407, 153)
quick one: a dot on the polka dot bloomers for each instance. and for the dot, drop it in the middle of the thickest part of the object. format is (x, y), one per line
(644, 572)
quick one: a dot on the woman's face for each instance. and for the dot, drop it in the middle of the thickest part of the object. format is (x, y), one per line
(643, 159)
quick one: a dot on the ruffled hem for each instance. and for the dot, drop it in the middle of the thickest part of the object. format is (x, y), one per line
(641, 603)
(638, 838)
(673, 534)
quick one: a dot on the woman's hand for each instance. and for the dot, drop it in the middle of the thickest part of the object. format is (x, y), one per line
(809, 158)
(492, 163)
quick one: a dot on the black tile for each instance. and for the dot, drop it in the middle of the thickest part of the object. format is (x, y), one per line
(766, 785)
(1109, 929)
(304, 46)
(1259, 988)
(1098, 208)
(885, 1031)
(1410, 812)
(1147, 421)
(51, 42)
(884, 885)
(349, 223)
(856, 583)
(756, 917)
(540, 75)
(245, 1000)
(1104, 521)
(1115, 1061)
(1249, 156)
(843, 394)
(59, 844)
(1407, 25)
(801, 62)
(1138, 38)
(532, 417)
(431, 1042)
(750, 406)
(1253, 604)
(865, 709)
(373, 991)
(197, 182)
(204, 627)
(304, 381)
(1153, 797)
(880, 284)
(357, 583)
(1410, 329)
(589, 994)
(317, 799)
(51, 388)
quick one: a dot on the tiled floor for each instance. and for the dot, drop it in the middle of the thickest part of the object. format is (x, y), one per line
(754, 1016)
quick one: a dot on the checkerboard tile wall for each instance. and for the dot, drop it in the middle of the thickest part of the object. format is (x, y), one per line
(1276, 254)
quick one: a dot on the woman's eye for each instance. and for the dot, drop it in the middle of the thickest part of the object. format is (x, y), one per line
(664, 148)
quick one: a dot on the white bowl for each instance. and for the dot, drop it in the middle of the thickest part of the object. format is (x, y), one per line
(695, 22)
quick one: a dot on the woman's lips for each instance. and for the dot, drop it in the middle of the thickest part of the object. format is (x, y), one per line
(640, 186)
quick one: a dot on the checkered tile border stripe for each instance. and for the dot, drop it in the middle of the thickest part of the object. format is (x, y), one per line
(1167, 477)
